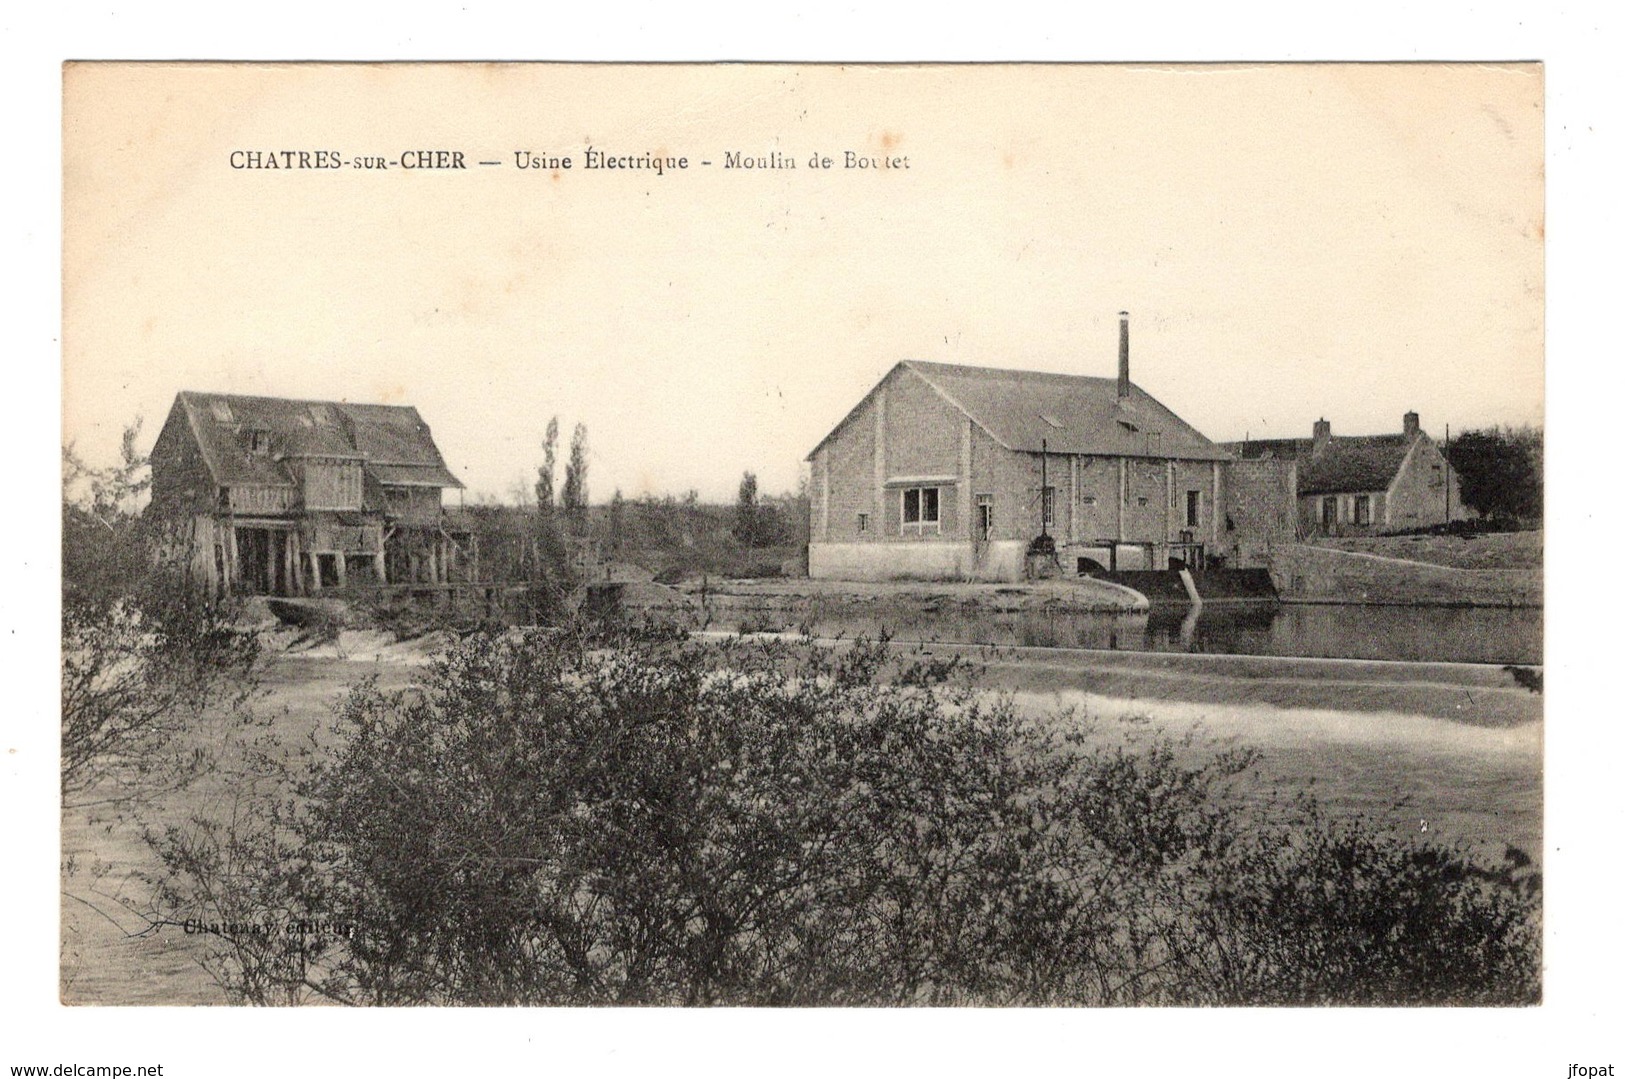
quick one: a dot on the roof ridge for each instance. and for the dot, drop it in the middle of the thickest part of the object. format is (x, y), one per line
(203, 394)
(1004, 370)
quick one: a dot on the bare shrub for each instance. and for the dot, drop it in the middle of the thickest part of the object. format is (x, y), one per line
(144, 655)
(556, 818)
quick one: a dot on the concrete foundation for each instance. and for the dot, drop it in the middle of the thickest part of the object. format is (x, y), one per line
(999, 560)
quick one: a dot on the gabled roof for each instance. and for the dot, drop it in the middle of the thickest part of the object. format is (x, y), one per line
(1360, 463)
(1342, 464)
(391, 441)
(1263, 449)
(1029, 410)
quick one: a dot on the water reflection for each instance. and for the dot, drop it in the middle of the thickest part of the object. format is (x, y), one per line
(1455, 634)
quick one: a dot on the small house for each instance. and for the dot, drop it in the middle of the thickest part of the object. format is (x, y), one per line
(1352, 485)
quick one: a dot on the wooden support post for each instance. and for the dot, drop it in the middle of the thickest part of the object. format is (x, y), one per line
(338, 561)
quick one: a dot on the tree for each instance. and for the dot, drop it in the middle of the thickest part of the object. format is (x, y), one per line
(544, 474)
(574, 492)
(144, 654)
(617, 520)
(1500, 470)
(747, 522)
(103, 555)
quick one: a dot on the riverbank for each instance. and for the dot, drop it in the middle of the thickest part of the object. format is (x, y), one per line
(1080, 594)
(1432, 573)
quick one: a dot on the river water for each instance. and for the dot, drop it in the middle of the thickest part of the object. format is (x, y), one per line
(1345, 631)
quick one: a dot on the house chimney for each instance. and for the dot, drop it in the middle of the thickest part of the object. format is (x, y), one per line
(1323, 431)
(1122, 355)
(1413, 425)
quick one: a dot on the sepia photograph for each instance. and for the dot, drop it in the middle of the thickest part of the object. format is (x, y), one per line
(803, 535)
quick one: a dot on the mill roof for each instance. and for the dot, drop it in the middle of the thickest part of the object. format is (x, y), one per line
(1340, 464)
(1029, 411)
(391, 441)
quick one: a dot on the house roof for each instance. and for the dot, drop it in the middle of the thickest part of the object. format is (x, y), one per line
(1341, 464)
(1028, 411)
(391, 441)
(1261, 449)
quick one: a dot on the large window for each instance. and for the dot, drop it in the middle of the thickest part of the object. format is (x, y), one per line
(922, 509)
(1049, 507)
(1193, 509)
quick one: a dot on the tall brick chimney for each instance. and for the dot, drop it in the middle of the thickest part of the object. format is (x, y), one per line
(1413, 425)
(1122, 355)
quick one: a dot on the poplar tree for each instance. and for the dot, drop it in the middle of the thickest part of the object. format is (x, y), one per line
(574, 493)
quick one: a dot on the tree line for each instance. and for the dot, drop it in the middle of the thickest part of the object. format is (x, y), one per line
(1501, 471)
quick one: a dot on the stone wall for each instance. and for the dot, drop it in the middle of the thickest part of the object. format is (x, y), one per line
(1260, 508)
(1302, 572)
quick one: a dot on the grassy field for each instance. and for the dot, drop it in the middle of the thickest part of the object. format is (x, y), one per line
(1491, 550)
(1453, 782)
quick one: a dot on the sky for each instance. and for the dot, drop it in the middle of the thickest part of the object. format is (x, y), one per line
(1291, 241)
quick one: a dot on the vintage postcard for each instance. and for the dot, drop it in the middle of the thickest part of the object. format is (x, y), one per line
(803, 535)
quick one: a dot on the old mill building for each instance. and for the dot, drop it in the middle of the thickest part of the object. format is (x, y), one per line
(269, 496)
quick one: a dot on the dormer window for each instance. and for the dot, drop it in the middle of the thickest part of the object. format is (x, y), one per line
(259, 442)
(1127, 426)
(221, 411)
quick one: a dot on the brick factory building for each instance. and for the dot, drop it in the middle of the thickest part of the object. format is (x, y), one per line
(952, 472)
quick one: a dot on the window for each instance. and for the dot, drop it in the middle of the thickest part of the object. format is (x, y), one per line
(259, 443)
(984, 517)
(1088, 500)
(922, 508)
(1328, 512)
(1193, 509)
(1049, 507)
(1362, 509)
(863, 522)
